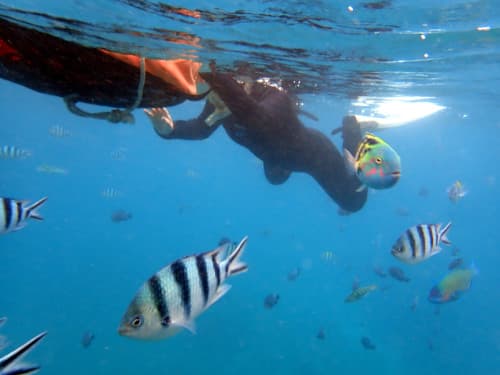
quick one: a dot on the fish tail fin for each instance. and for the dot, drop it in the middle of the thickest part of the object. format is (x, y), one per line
(233, 265)
(22, 370)
(442, 234)
(31, 209)
(19, 352)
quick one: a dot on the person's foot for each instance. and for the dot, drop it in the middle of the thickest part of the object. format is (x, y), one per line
(350, 123)
(351, 133)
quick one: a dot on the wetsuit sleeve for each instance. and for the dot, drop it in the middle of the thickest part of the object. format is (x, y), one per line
(194, 129)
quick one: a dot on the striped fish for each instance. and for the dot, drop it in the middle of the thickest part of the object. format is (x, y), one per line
(111, 193)
(13, 152)
(14, 213)
(59, 131)
(173, 297)
(420, 242)
(10, 363)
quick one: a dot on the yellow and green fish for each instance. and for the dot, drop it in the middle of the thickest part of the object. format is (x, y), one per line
(359, 292)
(452, 286)
(376, 163)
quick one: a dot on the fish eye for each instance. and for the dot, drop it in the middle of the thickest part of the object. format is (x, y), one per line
(136, 321)
(165, 322)
(378, 160)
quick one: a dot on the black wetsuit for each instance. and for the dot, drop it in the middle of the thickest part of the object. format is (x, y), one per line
(266, 122)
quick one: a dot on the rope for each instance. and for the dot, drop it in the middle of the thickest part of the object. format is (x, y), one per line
(114, 116)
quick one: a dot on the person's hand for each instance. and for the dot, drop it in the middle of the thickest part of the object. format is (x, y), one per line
(161, 119)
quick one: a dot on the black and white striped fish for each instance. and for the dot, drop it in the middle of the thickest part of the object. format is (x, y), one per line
(14, 213)
(13, 152)
(111, 193)
(174, 296)
(420, 242)
(59, 131)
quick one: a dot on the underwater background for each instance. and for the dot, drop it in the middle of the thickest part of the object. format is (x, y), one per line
(77, 270)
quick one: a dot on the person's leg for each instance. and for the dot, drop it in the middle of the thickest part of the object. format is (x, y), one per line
(351, 134)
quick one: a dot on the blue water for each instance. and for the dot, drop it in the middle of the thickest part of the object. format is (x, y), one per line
(77, 270)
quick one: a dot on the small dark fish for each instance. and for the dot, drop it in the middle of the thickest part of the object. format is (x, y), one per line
(423, 192)
(120, 215)
(294, 274)
(3, 320)
(87, 339)
(376, 5)
(379, 271)
(402, 211)
(455, 251)
(414, 303)
(455, 263)
(271, 300)
(430, 345)
(321, 334)
(398, 274)
(367, 343)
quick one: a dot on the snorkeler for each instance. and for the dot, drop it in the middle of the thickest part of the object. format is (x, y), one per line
(264, 119)
(54, 66)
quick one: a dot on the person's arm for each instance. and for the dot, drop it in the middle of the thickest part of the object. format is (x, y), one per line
(245, 109)
(193, 129)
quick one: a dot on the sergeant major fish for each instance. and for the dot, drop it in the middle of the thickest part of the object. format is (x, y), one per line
(173, 297)
(111, 193)
(51, 169)
(14, 213)
(420, 242)
(376, 164)
(13, 152)
(59, 131)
